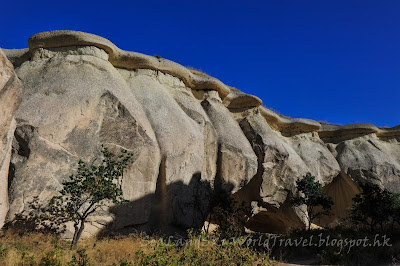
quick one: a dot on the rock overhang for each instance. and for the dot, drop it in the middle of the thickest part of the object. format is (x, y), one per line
(289, 146)
(232, 98)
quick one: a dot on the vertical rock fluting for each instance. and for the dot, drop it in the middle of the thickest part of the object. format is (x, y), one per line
(80, 92)
(342, 190)
(283, 161)
(238, 162)
(184, 136)
(266, 193)
(365, 153)
(10, 98)
(73, 104)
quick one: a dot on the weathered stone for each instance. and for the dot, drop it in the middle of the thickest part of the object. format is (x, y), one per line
(370, 159)
(17, 56)
(125, 59)
(73, 104)
(329, 131)
(278, 156)
(270, 219)
(10, 98)
(239, 100)
(185, 129)
(237, 163)
(319, 160)
(342, 190)
(287, 124)
(186, 138)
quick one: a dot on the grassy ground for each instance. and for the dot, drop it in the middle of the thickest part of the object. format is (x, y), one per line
(337, 246)
(18, 248)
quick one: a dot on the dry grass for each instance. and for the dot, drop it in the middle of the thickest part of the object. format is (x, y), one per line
(36, 248)
(278, 113)
(44, 249)
(197, 71)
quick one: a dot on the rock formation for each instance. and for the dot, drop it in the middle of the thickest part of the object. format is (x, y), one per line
(81, 92)
(10, 98)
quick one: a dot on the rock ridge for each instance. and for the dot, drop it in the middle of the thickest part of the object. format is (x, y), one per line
(185, 129)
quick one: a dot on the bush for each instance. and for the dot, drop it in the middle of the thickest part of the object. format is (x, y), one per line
(3, 252)
(80, 258)
(52, 257)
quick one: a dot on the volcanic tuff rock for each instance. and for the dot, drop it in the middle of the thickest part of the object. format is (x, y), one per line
(184, 128)
(10, 98)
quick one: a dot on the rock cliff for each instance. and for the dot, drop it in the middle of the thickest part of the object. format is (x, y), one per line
(81, 92)
(10, 98)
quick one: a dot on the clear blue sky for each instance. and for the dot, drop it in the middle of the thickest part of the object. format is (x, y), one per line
(329, 60)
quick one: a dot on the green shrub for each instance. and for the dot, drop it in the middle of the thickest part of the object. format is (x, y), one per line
(3, 252)
(80, 259)
(52, 258)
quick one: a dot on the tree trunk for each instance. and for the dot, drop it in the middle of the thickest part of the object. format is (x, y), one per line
(76, 226)
(77, 234)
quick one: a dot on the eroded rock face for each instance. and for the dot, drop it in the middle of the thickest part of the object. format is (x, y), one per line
(237, 161)
(313, 152)
(282, 160)
(277, 158)
(186, 137)
(342, 190)
(371, 159)
(10, 98)
(184, 128)
(72, 106)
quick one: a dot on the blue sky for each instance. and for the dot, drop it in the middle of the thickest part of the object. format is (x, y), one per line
(329, 60)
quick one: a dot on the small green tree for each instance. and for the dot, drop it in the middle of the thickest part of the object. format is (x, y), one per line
(90, 189)
(375, 206)
(309, 193)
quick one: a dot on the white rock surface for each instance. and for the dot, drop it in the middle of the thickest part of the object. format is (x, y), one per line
(72, 105)
(80, 91)
(10, 98)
